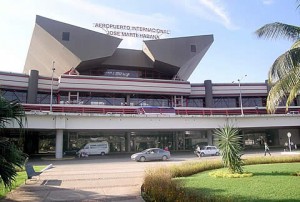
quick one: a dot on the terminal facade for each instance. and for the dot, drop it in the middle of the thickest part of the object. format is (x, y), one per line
(74, 70)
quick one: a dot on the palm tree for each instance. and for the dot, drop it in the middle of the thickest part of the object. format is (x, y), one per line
(284, 74)
(231, 149)
(10, 155)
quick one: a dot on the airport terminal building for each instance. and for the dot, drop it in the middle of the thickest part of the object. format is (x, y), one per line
(74, 71)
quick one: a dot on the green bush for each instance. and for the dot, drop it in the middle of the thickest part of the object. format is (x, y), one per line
(159, 186)
(227, 174)
(229, 142)
(191, 168)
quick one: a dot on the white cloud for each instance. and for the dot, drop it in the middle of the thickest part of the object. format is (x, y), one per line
(17, 19)
(218, 11)
(268, 2)
(211, 10)
(97, 13)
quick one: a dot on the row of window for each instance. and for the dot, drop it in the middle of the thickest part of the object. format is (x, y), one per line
(135, 100)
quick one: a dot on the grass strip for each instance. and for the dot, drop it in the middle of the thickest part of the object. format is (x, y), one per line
(20, 180)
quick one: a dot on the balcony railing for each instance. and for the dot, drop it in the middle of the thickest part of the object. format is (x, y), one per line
(58, 108)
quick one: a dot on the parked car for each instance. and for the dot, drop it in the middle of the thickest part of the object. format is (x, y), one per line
(94, 148)
(209, 151)
(151, 154)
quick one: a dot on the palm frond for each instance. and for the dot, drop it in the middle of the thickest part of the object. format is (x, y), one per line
(10, 155)
(296, 44)
(229, 144)
(284, 64)
(293, 94)
(279, 30)
(284, 76)
(10, 111)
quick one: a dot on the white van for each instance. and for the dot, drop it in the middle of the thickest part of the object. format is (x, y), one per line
(94, 148)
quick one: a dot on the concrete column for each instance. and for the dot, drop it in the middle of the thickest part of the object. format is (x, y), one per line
(59, 144)
(268, 90)
(127, 142)
(127, 100)
(210, 137)
(298, 100)
(208, 93)
(32, 89)
(134, 145)
(268, 86)
(176, 140)
(243, 138)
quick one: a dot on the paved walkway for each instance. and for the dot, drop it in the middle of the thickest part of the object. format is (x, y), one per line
(108, 179)
(84, 180)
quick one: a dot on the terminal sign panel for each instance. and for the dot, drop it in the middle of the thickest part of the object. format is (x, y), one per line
(132, 31)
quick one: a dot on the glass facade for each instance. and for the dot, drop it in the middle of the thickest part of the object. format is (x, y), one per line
(194, 102)
(11, 95)
(224, 102)
(118, 142)
(150, 101)
(128, 73)
(253, 101)
(44, 98)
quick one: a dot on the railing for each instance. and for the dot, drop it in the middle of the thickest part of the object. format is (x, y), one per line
(135, 110)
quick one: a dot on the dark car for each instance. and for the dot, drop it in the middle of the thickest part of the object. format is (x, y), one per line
(151, 154)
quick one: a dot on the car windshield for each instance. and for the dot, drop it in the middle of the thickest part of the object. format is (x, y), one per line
(146, 150)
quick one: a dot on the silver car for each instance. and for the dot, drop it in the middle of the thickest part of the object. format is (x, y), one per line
(151, 154)
(209, 151)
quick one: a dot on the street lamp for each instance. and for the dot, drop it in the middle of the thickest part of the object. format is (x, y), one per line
(241, 100)
(289, 136)
(51, 91)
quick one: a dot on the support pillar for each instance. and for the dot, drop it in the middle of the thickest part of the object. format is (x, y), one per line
(33, 87)
(176, 141)
(127, 100)
(59, 144)
(209, 102)
(134, 145)
(298, 100)
(210, 137)
(127, 142)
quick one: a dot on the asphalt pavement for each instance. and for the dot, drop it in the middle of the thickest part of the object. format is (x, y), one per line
(111, 178)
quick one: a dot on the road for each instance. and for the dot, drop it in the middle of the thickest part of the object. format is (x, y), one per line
(97, 178)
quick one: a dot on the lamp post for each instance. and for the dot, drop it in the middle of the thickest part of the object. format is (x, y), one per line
(241, 100)
(289, 136)
(51, 91)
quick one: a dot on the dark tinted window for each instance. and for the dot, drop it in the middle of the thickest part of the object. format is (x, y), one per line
(66, 36)
(193, 48)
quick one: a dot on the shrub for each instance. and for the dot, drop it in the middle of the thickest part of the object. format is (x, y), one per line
(222, 174)
(159, 186)
(230, 146)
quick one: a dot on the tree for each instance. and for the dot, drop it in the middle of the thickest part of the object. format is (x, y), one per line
(284, 74)
(10, 155)
(230, 145)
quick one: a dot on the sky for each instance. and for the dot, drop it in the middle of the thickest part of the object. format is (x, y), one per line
(235, 52)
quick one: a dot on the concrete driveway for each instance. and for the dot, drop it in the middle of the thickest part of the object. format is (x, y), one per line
(97, 178)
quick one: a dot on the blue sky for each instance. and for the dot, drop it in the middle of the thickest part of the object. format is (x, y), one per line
(236, 50)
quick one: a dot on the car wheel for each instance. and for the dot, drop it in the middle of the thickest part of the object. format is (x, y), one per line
(102, 153)
(142, 159)
(164, 158)
(201, 154)
(217, 154)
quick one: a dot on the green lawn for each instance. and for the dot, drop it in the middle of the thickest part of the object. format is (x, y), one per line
(20, 179)
(271, 182)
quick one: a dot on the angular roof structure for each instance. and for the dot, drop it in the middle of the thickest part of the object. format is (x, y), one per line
(69, 46)
(184, 53)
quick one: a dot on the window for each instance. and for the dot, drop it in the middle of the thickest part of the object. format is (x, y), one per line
(66, 36)
(193, 48)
